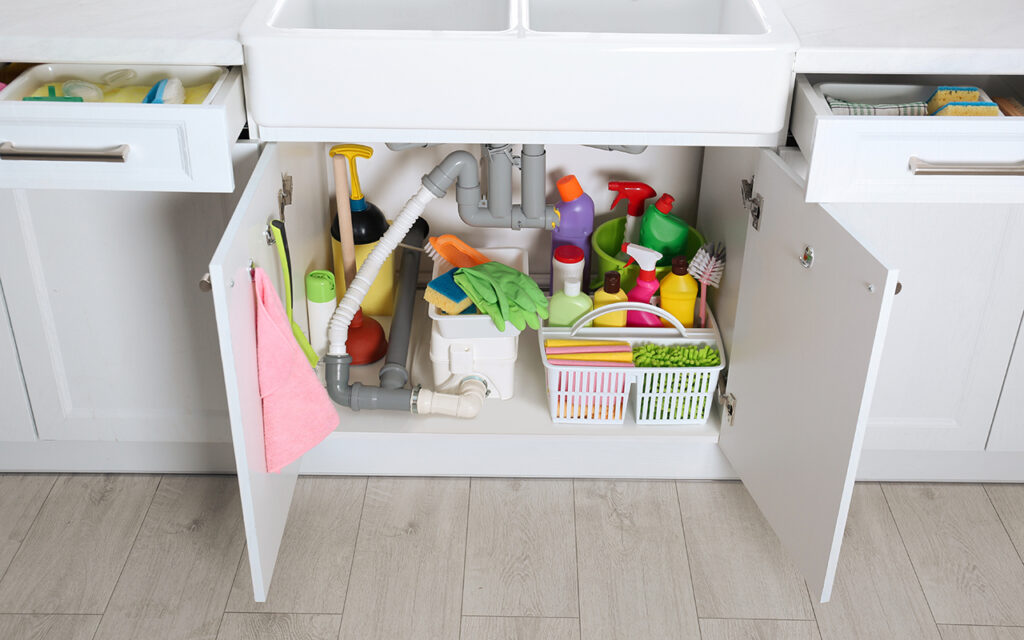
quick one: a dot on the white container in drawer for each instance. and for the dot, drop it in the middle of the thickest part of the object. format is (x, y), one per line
(928, 159)
(120, 146)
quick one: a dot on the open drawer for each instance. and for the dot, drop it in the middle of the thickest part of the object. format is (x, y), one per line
(924, 159)
(121, 146)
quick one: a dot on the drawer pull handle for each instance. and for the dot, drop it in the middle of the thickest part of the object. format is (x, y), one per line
(112, 154)
(921, 167)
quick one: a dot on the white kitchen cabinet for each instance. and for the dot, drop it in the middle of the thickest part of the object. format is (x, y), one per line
(825, 332)
(17, 423)
(115, 338)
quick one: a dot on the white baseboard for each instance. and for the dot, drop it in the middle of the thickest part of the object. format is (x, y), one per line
(941, 466)
(492, 456)
(117, 457)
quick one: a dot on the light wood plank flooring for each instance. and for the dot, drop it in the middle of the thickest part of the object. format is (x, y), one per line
(123, 557)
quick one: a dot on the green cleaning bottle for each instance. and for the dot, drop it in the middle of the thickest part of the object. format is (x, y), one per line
(569, 305)
(662, 231)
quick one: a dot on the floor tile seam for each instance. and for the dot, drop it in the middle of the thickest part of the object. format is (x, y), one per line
(576, 548)
(465, 556)
(135, 538)
(686, 549)
(910, 559)
(31, 526)
(1002, 522)
(355, 550)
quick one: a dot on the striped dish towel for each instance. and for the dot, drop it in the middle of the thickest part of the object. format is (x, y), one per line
(845, 108)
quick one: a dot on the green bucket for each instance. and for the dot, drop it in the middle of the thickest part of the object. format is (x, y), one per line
(606, 242)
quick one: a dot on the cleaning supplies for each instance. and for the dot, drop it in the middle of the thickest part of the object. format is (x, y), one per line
(636, 194)
(166, 91)
(680, 355)
(679, 292)
(575, 221)
(707, 268)
(443, 293)
(1010, 106)
(567, 263)
(450, 249)
(569, 305)
(277, 231)
(945, 95)
(368, 224)
(662, 231)
(365, 340)
(610, 293)
(968, 109)
(505, 294)
(320, 303)
(297, 412)
(646, 285)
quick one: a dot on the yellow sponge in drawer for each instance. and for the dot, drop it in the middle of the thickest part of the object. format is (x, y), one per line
(969, 109)
(945, 95)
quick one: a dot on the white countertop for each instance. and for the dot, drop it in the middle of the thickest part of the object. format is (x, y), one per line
(122, 31)
(837, 36)
(908, 36)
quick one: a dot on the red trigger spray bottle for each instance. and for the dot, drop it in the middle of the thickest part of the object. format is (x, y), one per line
(636, 194)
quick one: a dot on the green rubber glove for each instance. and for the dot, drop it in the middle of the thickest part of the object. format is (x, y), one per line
(505, 294)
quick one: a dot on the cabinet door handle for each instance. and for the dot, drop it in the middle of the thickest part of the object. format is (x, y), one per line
(111, 154)
(921, 167)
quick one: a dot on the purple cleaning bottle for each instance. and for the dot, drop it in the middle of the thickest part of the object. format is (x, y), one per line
(575, 222)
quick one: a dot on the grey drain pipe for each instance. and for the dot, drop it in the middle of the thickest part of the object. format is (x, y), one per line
(394, 375)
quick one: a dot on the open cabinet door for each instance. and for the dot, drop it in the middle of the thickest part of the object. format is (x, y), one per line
(266, 497)
(805, 355)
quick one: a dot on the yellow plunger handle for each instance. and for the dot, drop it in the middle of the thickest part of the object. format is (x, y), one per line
(353, 151)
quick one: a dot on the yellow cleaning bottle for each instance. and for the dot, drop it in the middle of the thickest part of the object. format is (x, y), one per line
(368, 225)
(679, 292)
(609, 294)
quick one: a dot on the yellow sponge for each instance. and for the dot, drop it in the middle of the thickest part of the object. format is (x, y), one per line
(969, 109)
(945, 95)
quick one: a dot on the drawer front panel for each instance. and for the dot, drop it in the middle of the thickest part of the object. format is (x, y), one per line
(924, 159)
(122, 147)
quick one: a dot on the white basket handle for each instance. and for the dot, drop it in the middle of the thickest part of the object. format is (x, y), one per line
(628, 306)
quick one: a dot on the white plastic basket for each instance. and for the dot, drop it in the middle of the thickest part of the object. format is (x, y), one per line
(600, 395)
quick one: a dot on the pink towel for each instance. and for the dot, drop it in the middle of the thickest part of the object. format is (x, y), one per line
(297, 412)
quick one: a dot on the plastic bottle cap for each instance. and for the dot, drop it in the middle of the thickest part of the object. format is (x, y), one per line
(569, 188)
(664, 203)
(612, 281)
(320, 286)
(569, 254)
(572, 287)
(680, 265)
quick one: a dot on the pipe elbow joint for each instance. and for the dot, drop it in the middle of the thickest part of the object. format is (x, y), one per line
(460, 166)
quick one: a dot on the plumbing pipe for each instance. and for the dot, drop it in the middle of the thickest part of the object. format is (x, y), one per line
(337, 329)
(394, 374)
(358, 396)
(465, 404)
(624, 148)
(461, 168)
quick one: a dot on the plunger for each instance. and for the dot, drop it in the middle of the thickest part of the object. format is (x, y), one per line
(366, 341)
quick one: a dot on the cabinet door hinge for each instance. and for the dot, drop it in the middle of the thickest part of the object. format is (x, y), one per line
(284, 196)
(727, 400)
(752, 202)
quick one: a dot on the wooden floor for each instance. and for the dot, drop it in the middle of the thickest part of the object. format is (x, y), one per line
(118, 557)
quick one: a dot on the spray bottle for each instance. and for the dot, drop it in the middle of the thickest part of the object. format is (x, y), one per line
(575, 221)
(646, 284)
(636, 194)
(662, 231)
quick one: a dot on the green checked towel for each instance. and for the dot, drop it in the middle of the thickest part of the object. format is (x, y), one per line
(844, 108)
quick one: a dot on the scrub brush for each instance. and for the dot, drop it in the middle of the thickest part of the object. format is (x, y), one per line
(449, 249)
(707, 268)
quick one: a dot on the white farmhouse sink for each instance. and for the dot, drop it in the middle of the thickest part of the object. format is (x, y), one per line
(610, 71)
